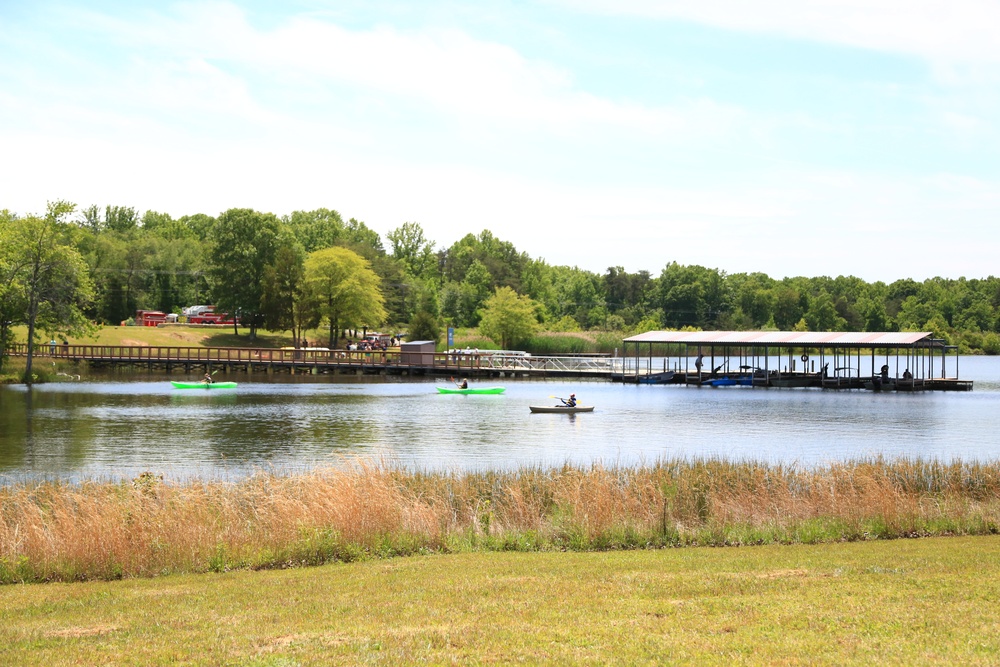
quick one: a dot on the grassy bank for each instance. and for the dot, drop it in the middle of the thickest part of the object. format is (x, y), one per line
(146, 527)
(195, 336)
(907, 602)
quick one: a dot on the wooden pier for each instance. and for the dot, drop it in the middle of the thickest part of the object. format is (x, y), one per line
(191, 360)
(688, 358)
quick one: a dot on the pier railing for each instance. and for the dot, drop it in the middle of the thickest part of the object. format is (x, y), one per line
(449, 362)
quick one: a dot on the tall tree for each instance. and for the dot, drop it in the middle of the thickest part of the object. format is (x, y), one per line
(318, 229)
(411, 247)
(347, 292)
(244, 243)
(51, 277)
(11, 294)
(285, 303)
(508, 318)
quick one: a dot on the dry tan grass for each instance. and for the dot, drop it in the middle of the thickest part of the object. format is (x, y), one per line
(147, 526)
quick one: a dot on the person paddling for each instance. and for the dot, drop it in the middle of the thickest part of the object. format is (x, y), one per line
(464, 384)
(208, 378)
(569, 402)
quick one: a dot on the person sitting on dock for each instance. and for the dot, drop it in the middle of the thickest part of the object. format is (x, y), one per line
(569, 402)
(884, 371)
(907, 375)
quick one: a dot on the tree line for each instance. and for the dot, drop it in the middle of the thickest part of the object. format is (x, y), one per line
(69, 267)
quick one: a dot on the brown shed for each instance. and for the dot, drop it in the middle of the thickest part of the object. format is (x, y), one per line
(417, 353)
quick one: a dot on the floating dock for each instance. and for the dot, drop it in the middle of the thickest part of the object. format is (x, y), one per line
(876, 361)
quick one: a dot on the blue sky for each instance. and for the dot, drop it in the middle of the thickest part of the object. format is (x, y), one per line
(790, 137)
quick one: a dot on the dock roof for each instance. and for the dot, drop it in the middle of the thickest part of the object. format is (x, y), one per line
(867, 339)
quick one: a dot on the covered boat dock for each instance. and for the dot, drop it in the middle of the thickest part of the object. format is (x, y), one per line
(878, 361)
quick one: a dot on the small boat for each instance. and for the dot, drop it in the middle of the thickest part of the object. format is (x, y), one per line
(202, 385)
(666, 377)
(560, 409)
(471, 390)
(732, 382)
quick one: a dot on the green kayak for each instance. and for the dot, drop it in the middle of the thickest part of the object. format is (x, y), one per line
(470, 390)
(202, 385)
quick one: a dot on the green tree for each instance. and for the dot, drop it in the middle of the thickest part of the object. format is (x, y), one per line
(12, 260)
(318, 229)
(822, 315)
(411, 247)
(692, 295)
(347, 292)
(502, 260)
(49, 278)
(508, 318)
(424, 326)
(199, 224)
(121, 219)
(286, 305)
(244, 243)
(358, 234)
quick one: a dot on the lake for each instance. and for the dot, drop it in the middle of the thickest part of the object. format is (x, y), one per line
(115, 428)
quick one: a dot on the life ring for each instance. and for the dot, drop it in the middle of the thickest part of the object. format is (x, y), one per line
(804, 358)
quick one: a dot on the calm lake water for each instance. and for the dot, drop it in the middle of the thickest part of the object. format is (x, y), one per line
(99, 429)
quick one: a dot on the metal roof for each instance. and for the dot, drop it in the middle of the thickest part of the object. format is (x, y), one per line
(789, 338)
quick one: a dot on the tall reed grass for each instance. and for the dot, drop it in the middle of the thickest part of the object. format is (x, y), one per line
(145, 527)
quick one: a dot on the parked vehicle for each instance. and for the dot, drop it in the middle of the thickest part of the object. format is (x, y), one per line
(211, 317)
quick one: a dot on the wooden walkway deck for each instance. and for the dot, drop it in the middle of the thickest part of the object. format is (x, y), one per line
(317, 361)
(482, 364)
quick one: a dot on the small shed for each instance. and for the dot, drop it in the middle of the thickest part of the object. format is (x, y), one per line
(417, 353)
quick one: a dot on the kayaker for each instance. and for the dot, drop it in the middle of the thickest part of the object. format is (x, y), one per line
(569, 402)
(208, 379)
(465, 384)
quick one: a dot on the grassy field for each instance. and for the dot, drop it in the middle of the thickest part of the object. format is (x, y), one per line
(906, 602)
(553, 343)
(184, 336)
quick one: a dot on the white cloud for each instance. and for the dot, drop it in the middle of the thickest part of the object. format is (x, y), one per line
(957, 31)
(446, 71)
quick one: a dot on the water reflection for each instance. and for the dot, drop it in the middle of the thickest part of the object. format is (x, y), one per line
(104, 429)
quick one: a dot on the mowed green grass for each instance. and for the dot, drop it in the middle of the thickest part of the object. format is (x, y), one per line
(904, 602)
